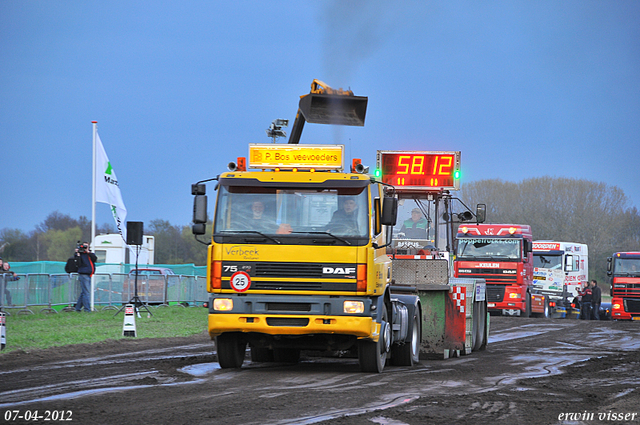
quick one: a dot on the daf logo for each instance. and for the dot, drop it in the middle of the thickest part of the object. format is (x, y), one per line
(339, 270)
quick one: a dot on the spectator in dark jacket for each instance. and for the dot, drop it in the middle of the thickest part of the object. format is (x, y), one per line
(596, 300)
(587, 297)
(6, 276)
(86, 269)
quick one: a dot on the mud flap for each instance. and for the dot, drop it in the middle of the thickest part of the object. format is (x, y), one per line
(537, 303)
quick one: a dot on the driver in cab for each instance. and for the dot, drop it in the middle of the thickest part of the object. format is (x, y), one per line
(416, 226)
(344, 220)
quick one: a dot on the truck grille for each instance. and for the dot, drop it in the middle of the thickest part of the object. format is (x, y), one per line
(290, 286)
(288, 307)
(495, 293)
(492, 277)
(285, 321)
(632, 306)
(288, 270)
(629, 290)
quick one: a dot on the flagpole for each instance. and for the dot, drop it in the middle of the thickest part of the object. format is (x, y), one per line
(93, 204)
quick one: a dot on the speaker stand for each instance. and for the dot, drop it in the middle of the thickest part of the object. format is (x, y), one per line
(135, 300)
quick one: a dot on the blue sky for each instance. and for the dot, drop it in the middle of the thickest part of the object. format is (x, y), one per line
(522, 88)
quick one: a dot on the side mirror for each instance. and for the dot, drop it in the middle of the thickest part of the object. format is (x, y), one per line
(198, 189)
(528, 246)
(389, 211)
(609, 266)
(481, 213)
(199, 215)
(199, 229)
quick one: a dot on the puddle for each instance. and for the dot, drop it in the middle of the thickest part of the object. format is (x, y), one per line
(200, 369)
(184, 351)
(624, 393)
(82, 393)
(398, 401)
(513, 335)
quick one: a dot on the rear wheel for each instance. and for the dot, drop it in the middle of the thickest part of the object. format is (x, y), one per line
(230, 348)
(373, 355)
(547, 310)
(408, 353)
(480, 326)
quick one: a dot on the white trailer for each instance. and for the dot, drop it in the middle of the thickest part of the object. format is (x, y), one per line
(560, 270)
(113, 252)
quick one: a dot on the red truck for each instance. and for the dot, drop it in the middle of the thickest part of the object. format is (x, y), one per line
(502, 254)
(623, 271)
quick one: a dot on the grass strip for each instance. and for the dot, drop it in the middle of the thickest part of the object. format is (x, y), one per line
(33, 331)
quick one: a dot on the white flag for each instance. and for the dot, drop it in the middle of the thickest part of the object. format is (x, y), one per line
(107, 189)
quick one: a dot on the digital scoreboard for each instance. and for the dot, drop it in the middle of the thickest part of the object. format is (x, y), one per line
(419, 170)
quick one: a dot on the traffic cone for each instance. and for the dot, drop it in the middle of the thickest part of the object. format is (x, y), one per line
(3, 330)
(129, 326)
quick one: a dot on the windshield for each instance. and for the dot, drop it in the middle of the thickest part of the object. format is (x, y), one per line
(629, 266)
(414, 229)
(473, 248)
(272, 211)
(547, 261)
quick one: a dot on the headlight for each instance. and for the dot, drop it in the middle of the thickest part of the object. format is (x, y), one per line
(223, 304)
(353, 307)
(515, 295)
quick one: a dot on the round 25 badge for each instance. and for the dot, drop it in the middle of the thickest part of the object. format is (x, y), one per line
(240, 281)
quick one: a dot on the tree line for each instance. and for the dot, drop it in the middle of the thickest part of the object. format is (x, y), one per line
(563, 209)
(560, 209)
(56, 237)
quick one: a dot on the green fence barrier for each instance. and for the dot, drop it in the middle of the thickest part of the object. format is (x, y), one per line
(45, 285)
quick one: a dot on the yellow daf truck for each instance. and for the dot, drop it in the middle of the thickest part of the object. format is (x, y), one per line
(298, 257)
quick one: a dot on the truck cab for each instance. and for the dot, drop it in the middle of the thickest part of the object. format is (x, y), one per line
(501, 254)
(560, 271)
(298, 261)
(623, 272)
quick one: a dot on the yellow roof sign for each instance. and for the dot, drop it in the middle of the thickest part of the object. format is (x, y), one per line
(318, 157)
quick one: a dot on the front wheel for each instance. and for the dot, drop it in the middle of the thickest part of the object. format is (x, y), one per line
(373, 355)
(527, 306)
(230, 348)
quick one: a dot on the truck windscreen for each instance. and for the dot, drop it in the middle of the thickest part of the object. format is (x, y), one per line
(547, 261)
(489, 248)
(341, 211)
(627, 266)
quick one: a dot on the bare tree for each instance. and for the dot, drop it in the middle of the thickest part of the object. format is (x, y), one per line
(563, 209)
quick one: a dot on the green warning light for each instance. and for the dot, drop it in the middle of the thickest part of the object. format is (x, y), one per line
(456, 174)
(377, 173)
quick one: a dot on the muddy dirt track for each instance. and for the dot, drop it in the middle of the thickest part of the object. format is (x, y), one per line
(534, 371)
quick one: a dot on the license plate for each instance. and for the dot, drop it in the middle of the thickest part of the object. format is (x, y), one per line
(491, 304)
(635, 318)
